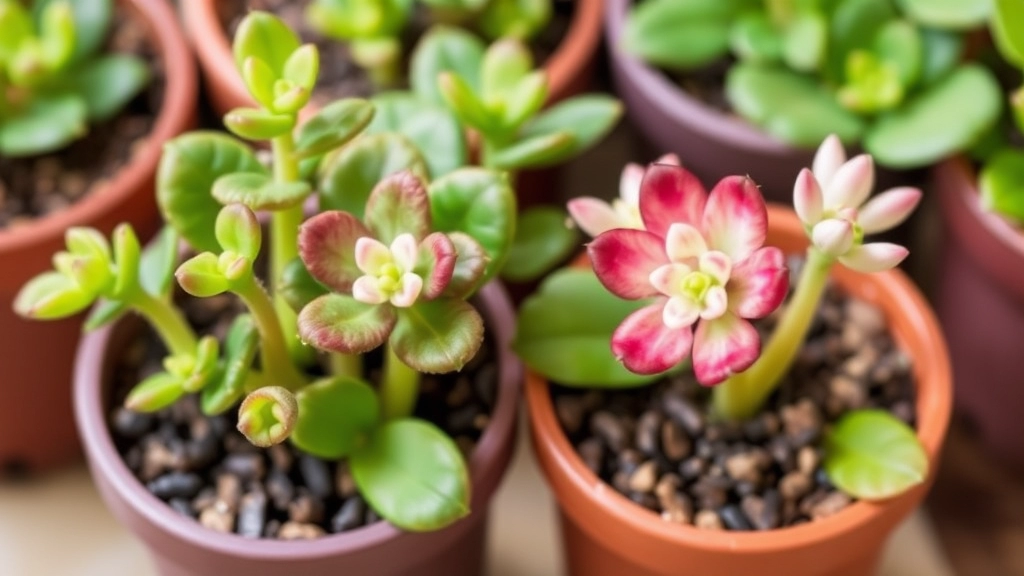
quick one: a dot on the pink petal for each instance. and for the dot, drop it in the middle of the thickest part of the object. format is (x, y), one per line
(827, 160)
(758, 285)
(716, 302)
(408, 291)
(371, 255)
(404, 251)
(717, 265)
(436, 264)
(888, 209)
(670, 194)
(327, 245)
(624, 259)
(684, 242)
(852, 183)
(723, 347)
(366, 289)
(833, 236)
(735, 219)
(680, 312)
(645, 345)
(594, 216)
(670, 159)
(629, 183)
(874, 257)
(667, 278)
(807, 198)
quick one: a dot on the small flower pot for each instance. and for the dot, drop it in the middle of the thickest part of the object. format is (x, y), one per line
(606, 534)
(180, 546)
(36, 423)
(980, 301)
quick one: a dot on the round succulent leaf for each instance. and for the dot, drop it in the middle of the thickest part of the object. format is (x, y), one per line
(189, 167)
(240, 348)
(413, 475)
(871, 454)
(1008, 30)
(805, 41)
(297, 286)
(542, 241)
(92, 22)
(522, 19)
(237, 230)
(157, 264)
(156, 392)
(49, 123)
(563, 331)
(948, 14)
(1001, 183)
(327, 246)
(755, 38)
(51, 295)
(444, 49)
(336, 416)
(470, 264)
(437, 336)
(435, 263)
(333, 126)
(430, 127)
(264, 36)
(479, 203)
(259, 191)
(109, 83)
(398, 205)
(682, 35)
(587, 119)
(900, 43)
(340, 323)
(941, 52)
(946, 118)
(347, 176)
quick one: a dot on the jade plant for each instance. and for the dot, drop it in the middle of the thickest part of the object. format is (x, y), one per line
(54, 79)
(390, 263)
(682, 285)
(373, 29)
(888, 75)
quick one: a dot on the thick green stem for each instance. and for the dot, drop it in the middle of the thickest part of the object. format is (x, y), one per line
(399, 387)
(284, 234)
(167, 320)
(742, 395)
(277, 364)
(346, 364)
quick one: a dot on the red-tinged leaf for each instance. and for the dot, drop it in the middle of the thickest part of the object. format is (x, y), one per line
(436, 263)
(398, 205)
(437, 336)
(343, 324)
(327, 245)
(470, 266)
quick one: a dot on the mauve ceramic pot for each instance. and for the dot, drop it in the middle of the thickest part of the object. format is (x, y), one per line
(181, 547)
(36, 425)
(980, 300)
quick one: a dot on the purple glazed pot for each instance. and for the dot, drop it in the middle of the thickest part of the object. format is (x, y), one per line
(181, 547)
(980, 301)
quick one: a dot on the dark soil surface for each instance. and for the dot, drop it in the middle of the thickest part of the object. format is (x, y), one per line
(36, 186)
(339, 76)
(659, 447)
(205, 469)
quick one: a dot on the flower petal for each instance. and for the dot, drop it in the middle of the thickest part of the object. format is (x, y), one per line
(667, 278)
(722, 347)
(624, 259)
(807, 198)
(404, 251)
(366, 289)
(684, 242)
(409, 289)
(629, 183)
(436, 263)
(735, 219)
(717, 265)
(888, 209)
(645, 345)
(758, 285)
(852, 183)
(371, 255)
(671, 159)
(593, 215)
(680, 312)
(827, 160)
(327, 246)
(833, 236)
(670, 194)
(874, 257)
(716, 302)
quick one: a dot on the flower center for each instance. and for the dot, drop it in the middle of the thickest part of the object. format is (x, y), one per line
(695, 285)
(388, 272)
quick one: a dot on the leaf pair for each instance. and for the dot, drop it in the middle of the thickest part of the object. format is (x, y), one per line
(239, 235)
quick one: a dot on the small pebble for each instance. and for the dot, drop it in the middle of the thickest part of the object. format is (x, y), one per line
(281, 457)
(644, 477)
(131, 424)
(229, 491)
(807, 460)
(591, 451)
(305, 508)
(607, 427)
(485, 383)
(252, 513)
(217, 518)
(349, 516)
(734, 519)
(569, 408)
(743, 466)
(299, 531)
(182, 506)
(692, 467)
(802, 422)
(344, 483)
(675, 444)
(795, 485)
(708, 520)
(831, 504)
(647, 431)
(280, 488)
(316, 476)
(685, 413)
(175, 485)
(247, 466)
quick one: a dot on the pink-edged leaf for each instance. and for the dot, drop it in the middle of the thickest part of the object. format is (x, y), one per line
(624, 260)
(645, 345)
(874, 257)
(438, 336)
(340, 323)
(807, 198)
(684, 242)
(436, 263)
(735, 219)
(852, 183)
(469, 265)
(670, 194)
(723, 347)
(594, 216)
(827, 160)
(327, 246)
(397, 205)
(758, 285)
(888, 209)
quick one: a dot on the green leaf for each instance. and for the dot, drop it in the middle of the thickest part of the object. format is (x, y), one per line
(17, 25)
(532, 152)
(565, 329)
(430, 127)
(437, 336)
(348, 175)
(127, 252)
(789, 106)
(259, 191)
(1008, 30)
(586, 118)
(340, 323)
(240, 349)
(806, 42)
(470, 266)
(900, 43)
(505, 63)
(678, 34)
(156, 267)
(302, 67)
(398, 205)
(334, 125)
(263, 35)
(755, 38)
(201, 276)
(297, 285)
(104, 312)
(466, 104)
(413, 475)
(479, 203)
(188, 169)
(542, 241)
(1001, 183)
(948, 14)
(257, 124)
(853, 26)
(948, 117)
(941, 52)
(871, 454)
(522, 19)
(51, 295)
(444, 49)
(108, 83)
(336, 416)
(92, 22)
(204, 366)
(525, 100)
(155, 393)
(49, 123)
(238, 230)
(259, 80)
(56, 39)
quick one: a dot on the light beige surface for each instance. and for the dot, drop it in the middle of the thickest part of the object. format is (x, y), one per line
(57, 526)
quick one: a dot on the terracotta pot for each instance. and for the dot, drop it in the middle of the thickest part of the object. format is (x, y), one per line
(40, 354)
(181, 547)
(980, 301)
(606, 534)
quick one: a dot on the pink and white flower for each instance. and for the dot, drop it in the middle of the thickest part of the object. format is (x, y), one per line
(832, 202)
(595, 216)
(702, 258)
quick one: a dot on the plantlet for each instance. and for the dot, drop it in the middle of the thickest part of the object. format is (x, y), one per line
(885, 74)
(691, 276)
(389, 263)
(53, 80)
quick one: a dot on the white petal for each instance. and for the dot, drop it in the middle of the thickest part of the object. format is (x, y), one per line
(827, 160)
(852, 183)
(670, 159)
(874, 257)
(403, 250)
(886, 210)
(680, 312)
(684, 242)
(594, 216)
(669, 277)
(833, 236)
(717, 265)
(629, 183)
(371, 255)
(807, 198)
(365, 289)
(716, 301)
(408, 291)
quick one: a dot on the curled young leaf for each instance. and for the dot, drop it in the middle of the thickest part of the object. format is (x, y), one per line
(268, 415)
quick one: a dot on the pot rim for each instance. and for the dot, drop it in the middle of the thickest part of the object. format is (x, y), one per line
(176, 113)
(486, 467)
(934, 405)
